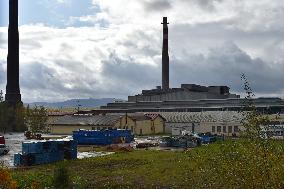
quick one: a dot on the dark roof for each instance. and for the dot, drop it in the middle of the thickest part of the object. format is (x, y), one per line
(209, 116)
(138, 117)
(153, 116)
(104, 120)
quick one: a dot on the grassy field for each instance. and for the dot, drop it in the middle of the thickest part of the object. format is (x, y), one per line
(239, 164)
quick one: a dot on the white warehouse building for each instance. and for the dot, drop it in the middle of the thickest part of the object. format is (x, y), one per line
(215, 122)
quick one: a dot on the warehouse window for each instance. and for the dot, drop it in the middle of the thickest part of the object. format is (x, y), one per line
(218, 129)
(93, 128)
(236, 129)
(229, 129)
(141, 132)
(132, 130)
(213, 129)
(224, 129)
(98, 128)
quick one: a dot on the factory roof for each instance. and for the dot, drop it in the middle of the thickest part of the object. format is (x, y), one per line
(212, 116)
(138, 117)
(87, 120)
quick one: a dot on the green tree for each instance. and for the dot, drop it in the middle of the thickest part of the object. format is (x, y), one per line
(11, 118)
(4, 114)
(19, 119)
(36, 119)
(253, 119)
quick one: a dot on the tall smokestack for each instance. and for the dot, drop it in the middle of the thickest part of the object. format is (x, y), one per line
(165, 56)
(13, 95)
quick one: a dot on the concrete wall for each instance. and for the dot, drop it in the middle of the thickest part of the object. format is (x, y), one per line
(144, 127)
(124, 123)
(66, 129)
(159, 125)
(148, 127)
(226, 128)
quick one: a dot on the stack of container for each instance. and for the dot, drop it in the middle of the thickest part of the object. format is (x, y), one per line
(42, 152)
(103, 137)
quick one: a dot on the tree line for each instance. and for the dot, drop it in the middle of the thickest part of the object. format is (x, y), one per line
(21, 118)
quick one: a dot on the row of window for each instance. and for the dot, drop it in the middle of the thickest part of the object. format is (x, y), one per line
(225, 130)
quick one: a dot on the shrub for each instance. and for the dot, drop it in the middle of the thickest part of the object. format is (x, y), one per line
(6, 180)
(61, 179)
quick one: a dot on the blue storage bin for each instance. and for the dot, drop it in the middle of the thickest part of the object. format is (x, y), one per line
(35, 153)
(55, 156)
(103, 137)
(32, 147)
(18, 159)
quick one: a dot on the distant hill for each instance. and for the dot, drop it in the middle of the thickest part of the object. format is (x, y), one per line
(73, 103)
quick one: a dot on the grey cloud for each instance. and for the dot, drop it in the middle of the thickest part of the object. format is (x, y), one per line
(66, 48)
(149, 47)
(206, 4)
(126, 75)
(267, 45)
(46, 82)
(2, 73)
(122, 76)
(157, 5)
(223, 66)
(38, 76)
(30, 44)
(93, 71)
(162, 5)
(3, 40)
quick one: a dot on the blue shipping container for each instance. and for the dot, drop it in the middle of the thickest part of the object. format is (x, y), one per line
(42, 152)
(103, 137)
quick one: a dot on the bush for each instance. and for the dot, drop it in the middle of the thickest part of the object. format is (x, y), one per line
(239, 164)
(61, 178)
(6, 180)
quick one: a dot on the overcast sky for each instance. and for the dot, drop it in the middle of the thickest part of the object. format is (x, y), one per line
(112, 48)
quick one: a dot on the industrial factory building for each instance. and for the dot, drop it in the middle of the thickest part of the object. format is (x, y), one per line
(226, 123)
(267, 105)
(139, 124)
(185, 92)
(216, 122)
